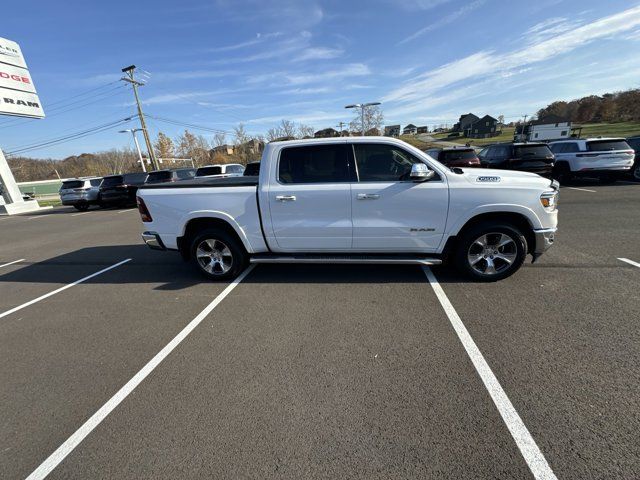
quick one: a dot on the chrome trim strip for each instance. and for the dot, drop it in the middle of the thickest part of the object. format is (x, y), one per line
(347, 260)
(153, 241)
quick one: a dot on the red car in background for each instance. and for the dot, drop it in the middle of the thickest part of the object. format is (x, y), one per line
(455, 156)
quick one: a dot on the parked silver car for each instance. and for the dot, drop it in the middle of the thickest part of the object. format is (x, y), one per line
(80, 192)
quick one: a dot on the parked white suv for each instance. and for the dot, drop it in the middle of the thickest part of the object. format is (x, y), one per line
(222, 170)
(603, 158)
(80, 192)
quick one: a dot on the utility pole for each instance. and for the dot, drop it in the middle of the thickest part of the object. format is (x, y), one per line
(129, 72)
(341, 127)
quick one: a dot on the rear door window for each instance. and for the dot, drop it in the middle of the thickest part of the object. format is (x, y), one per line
(72, 184)
(135, 178)
(382, 163)
(235, 169)
(607, 145)
(186, 174)
(112, 181)
(96, 182)
(156, 177)
(526, 151)
(314, 164)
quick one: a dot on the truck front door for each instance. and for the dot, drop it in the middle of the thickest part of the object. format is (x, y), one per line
(310, 199)
(391, 213)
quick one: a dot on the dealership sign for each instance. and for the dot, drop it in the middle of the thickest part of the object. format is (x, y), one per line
(17, 93)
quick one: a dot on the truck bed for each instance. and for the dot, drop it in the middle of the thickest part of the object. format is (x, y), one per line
(207, 183)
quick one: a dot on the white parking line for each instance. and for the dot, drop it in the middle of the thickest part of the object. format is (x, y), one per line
(81, 213)
(525, 442)
(583, 189)
(630, 262)
(128, 210)
(61, 289)
(79, 435)
(11, 263)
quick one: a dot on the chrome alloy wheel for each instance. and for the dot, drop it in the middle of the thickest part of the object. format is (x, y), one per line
(492, 253)
(214, 257)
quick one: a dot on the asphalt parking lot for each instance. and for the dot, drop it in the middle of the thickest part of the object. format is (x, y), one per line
(120, 362)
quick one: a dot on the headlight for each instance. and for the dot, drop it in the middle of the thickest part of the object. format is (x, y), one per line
(549, 200)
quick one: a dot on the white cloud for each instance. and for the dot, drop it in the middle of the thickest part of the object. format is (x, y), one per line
(491, 64)
(350, 70)
(446, 20)
(237, 46)
(318, 53)
(415, 5)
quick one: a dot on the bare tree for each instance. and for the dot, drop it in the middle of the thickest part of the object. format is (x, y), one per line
(305, 131)
(193, 146)
(164, 146)
(373, 119)
(288, 129)
(220, 139)
(273, 134)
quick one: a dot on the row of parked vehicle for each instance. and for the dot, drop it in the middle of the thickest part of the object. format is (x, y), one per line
(120, 190)
(606, 159)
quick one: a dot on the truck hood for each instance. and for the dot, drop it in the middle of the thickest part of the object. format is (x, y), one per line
(490, 176)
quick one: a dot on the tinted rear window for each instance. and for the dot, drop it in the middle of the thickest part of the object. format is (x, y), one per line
(454, 155)
(72, 184)
(112, 181)
(532, 151)
(135, 178)
(185, 174)
(607, 145)
(314, 164)
(203, 171)
(634, 143)
(253, 169)
(155, 177)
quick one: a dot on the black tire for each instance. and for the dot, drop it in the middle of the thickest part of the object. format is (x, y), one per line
(562, 173)
(468, 250)
(83, 207)
(635, 171)
(239, 258)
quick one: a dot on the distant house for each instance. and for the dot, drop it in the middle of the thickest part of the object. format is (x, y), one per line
(423, 129)
(222, 150)
(484, 127)
(392, 131)
(372, 132)
(464, 122)
(551, 127)
(410, 129)
(326, 133)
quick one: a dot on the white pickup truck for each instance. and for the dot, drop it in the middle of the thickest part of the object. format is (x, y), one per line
(354, 200)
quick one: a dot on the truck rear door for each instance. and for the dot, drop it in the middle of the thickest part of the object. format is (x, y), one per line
(310, 199)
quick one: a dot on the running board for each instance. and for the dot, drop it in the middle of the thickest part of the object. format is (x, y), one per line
(347, 259)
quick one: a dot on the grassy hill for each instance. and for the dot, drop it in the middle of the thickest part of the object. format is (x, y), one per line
(620, 129)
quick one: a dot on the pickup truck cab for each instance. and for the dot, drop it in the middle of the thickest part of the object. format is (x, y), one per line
(354, 200)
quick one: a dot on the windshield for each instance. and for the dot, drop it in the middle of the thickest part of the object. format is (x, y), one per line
(204, 171)
(112, 181)
(532, 151)
(607, 145)
(455, 155)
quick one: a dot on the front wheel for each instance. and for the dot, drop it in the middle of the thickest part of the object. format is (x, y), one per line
(82, 207)
(635, 171)
(217, 255)
(491, 252)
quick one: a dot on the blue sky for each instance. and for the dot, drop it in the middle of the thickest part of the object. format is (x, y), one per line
(218, 63)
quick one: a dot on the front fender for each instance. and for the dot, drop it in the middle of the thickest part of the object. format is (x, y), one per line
(458, 222)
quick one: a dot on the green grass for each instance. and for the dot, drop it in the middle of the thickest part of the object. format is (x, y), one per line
(50, 203)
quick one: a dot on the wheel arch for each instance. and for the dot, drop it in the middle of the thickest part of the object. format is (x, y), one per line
(517, 219)
(198, 223)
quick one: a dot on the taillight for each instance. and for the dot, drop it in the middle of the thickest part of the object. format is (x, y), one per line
(144, 211)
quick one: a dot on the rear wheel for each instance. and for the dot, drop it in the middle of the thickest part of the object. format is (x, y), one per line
(491, 252)
(218, 255)
(81, 206)
(562, 172)
(635, 171)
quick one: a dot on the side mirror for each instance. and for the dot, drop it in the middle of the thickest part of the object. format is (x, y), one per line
(421, 173)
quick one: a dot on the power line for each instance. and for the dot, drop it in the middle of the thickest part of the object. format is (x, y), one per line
(69, 137)
(186, 124)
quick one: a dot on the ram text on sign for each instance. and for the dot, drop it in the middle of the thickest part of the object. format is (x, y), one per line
(10, 53)
(20, 103)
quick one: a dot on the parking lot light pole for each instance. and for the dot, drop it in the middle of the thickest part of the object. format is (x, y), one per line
(362, 106)
(135, 140)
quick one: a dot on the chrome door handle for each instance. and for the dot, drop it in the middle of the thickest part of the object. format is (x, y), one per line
(367, 196)
(286, 198)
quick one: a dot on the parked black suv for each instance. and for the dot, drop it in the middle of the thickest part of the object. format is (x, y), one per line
(528, 157)
(252, 169)
(170, 175)
(120, 190)
(634, 142)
